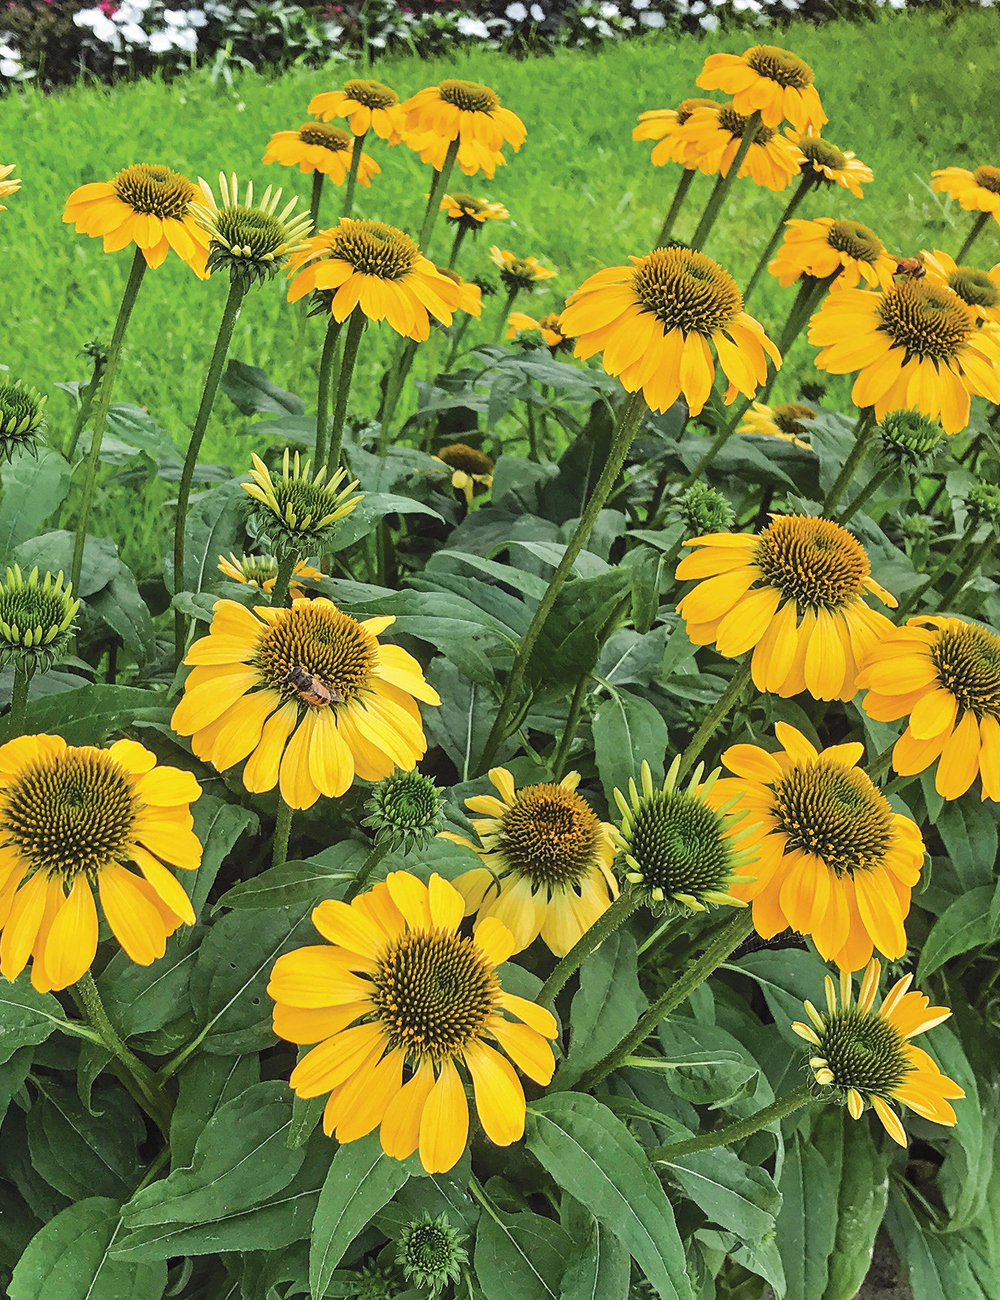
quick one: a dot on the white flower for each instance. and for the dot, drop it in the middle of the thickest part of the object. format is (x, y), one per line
(175, 17)
(10, 63)
(134, 34)
(639, 5)
(709, 22)
(588, 21)
(129, 13)
(538, 13)
(196, 17)
(161, 42)
(609, 11)
(516, 12)
(187, 40)
(653, 19)
(472, 26)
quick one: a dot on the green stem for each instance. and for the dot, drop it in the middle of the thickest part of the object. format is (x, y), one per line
(394, 388)
(715, 715)
(101, 411)
(327, 369)
(977, 226)
(968, 569)
(438, 189)
(148, 1089)
(630, 414)
(316, 198)
(723, 184)
(460, 233)
(352, 175)
(936, 574)
(355, 326)
(743, 1128)
(569, 731)
(283, 579)
(726, 941)
(86, 404)
(609, 921)
(866, 494)
(282, 831)
(378, 851)
(680, 194)
(504, 313)
(805, 185)
(880, 764)
(230, 315)
(456, 343)
(865, 431)
(18, 697)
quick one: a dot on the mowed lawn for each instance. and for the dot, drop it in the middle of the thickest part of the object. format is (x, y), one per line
(908, 94)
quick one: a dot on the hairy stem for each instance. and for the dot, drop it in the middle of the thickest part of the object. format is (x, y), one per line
(282, 831)
(609, 921)
(355, 326)
(805, 185)
(973, 235)
(680, 194)
(327, 371)
(438, 189)
(724, 183)
(18, 696)
(865, 431)
(352, 175)
(743, 1128)
(714, 716)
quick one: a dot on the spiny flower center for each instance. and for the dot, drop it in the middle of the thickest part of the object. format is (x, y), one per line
(323, 643)
(469, 204)
(249, 232)
(434, 992)
(460, 455)
(735, 123)
(326, 136)
(856, 240)
(26, 607)
(687, 107)
(779, 65)
(974, 287)
(686, 290)
(374, 248)
(988, 178)
(469, 96)
(677, 843)
(863, 1051)
(69, 814)
(155, 190)
(372, 94)
(925, 319)
(967, 660)
(257, 569)
(835, 813)
(550, 835)
(821, 153)
(788, 416)
(815, 562)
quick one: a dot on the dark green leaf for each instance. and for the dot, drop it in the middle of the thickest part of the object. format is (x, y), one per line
(708, 1065)
(13, 1073)
(204, 1085)
(860, 1177)
(138, 429)
(139, 999)
(631, 659)
(366, 517)
(361, 1180)
(963, 925)
(807, 1224)
(69, 1260)
(598, 1267)
(608, 998)
(731, 1192)
(594, 1157)
(218, 825)
(570, 643)
(240, 1160)
(252, 393)
(299, 882)
(87, 716)
(125, 612)
(786, 979)
(627, 729)
(215, 526)
(54, 551)
(26, 1016)
(32, 488)
(520, 1256)
(970, 836)
(82, 1153)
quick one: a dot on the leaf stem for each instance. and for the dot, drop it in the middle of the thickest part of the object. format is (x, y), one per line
(973, 235)
(630, 414)
(283, 579)
(938, 572)
(572, 722)
(866, 494)
(726, 941)
(230, 315)
(86, 404)
(743, 1128)
(968, 570)
(378, 851)
(609, 921)
(101, 411)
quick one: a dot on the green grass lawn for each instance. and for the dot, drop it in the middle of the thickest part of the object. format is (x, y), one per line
(908, 94)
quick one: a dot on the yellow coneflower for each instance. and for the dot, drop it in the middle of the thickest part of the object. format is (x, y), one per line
(827, 164)
(769, 79)
(71, 817)
(262, 571)
(243, 699)
(467, 112)
(469, 296)
(380, 269)
(664, 126)
(521, 273)
(469, 467)
(317, 147)
(148, 205)
(794, 595)
(916, 346)
(427, 1000)
(547, 862)
(653, 323)
(367, 105)
(7, 187)
(979, 290)
(549, 326)
(943, 675)
(784, 421)
(822, 246)
(826, 853)
(865, 1055)
(711, 139)
(470, 213)
(976, 191)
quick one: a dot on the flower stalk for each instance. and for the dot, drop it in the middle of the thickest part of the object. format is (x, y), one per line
(804, 186)
(230, 315)
(18, 696)
(101, 407)
(630, 414)
(743, 1128)
(355, 326)
(609, 921)
(282, 831)
(352, 176)
(438, 189)
(327, 373)
(722, 186)
(680, 194)
(973, 235)
(315, 198)
(715, 715)
(938, 572)
(378, 851)
(865, 433)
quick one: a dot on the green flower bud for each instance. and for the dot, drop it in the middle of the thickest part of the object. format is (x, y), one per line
(36, 618)
(983, 502)
(704, 510)
(252, 242)
(406, 809)
(297, 510)
(908, 437)
(430, 1253)
(21, 422)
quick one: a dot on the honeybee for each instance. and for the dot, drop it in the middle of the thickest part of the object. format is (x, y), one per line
(911, 267)
(311, 689)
